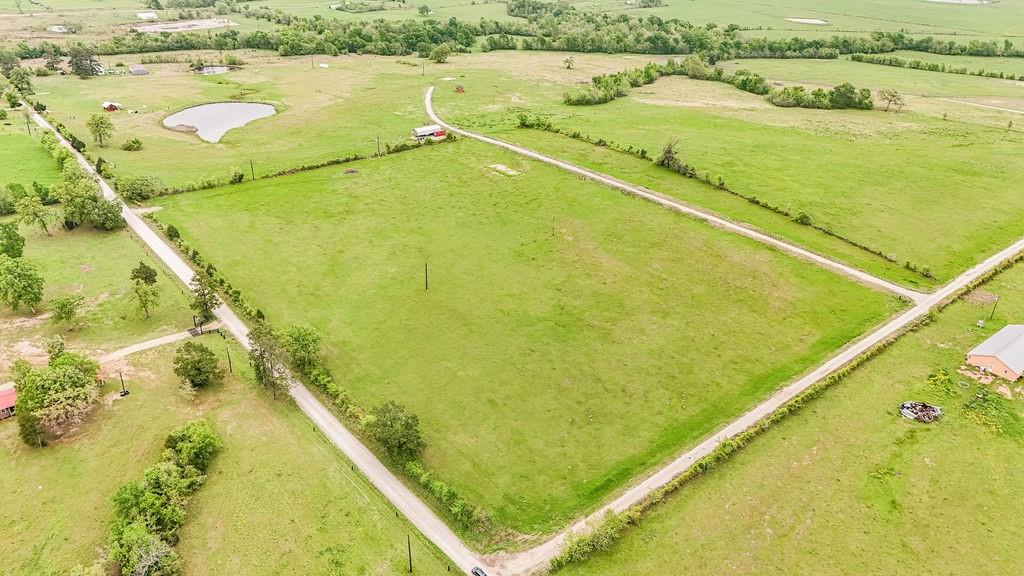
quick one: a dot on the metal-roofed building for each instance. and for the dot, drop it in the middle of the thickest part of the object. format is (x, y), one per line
(1002, 354)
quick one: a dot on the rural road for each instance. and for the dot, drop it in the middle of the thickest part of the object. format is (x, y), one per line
(537, 558)
(673, 204)
(155, 342)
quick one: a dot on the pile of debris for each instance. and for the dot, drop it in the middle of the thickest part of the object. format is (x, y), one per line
(920, 411)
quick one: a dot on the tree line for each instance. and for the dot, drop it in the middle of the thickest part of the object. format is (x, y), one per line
(898, 62)
(541, 26)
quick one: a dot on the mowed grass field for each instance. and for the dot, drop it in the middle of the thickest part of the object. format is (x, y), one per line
(571, 337)
(936, 193)
(278, 499)
(23, 158)
(847, 486)
(322, 113)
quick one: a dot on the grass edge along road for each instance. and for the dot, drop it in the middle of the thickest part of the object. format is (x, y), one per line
(538, 557)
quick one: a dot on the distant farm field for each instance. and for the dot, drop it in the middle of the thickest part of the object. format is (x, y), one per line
(561, 318)
(847, 486)
(939, 194)
(347, 108)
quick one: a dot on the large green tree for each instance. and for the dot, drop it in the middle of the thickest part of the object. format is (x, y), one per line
(197, 365)
(12, 244)
(20, 283)
(101, 128)
(397, 430)
(147, 296)
(30, 210)
(303, 345)
(267, 359)
(204, 297)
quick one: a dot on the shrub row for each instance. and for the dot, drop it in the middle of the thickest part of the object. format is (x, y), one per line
(932, 66)
(683, 169)
(468, 515)
(600, 537)
(149, 512)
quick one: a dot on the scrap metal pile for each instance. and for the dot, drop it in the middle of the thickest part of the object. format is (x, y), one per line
(920, 411)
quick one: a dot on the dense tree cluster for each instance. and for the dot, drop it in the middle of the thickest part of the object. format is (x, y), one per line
(55, 397)
(149, 511)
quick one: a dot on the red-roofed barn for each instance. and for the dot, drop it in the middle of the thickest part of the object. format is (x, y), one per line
(7, 398)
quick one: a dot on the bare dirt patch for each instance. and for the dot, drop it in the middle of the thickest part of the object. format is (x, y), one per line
(980, 297)
(504, 169)
(186, 26)
(818, 21)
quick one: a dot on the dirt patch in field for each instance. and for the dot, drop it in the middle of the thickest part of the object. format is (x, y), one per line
(689, 93)
(186, 26)
(818, 21)
(980, 297)
(504, 169)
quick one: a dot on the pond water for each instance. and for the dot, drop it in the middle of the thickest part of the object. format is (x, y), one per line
(213, 70)
(212, 121)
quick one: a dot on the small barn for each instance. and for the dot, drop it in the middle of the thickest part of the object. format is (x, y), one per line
(137, 70)
(432, 131)
(1002, 354)
(7, 399)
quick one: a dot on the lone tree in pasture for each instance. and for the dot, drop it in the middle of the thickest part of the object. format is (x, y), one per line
(30, 210)
(892, 98)
(147, 296)
(12, 244)
(197, 366)
(100, 127)
(144, 273)
(397, 430)
(20, 283)
(204, 297)
(441, 53)
(65, 308)
(267, 359)
(423, 10)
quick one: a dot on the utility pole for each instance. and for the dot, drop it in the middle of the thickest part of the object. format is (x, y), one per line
(408, 542)
(994, 308)
(228, 350)
(426, 277)
(378, 146)
(252, 170)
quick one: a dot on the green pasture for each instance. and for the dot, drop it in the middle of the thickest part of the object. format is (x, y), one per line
(561, 316)
(937, 193)
(22, 158)
(847, 486)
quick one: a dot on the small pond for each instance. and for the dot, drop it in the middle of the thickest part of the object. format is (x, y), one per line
(212, 70)
(212, 121)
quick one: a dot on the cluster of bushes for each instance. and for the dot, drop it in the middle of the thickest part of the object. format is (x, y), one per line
(358, 7)
(13, 193)
(468, 515)
(607, 87)
(56, 397)
(602, 535)
(932, 66)
(843, 96)
(83, 203)
(149, 511)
